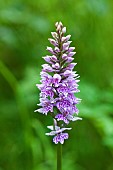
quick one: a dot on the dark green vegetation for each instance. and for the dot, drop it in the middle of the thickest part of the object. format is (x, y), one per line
(25, 27)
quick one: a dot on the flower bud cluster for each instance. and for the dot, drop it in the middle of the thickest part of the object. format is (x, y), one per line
(59, 83)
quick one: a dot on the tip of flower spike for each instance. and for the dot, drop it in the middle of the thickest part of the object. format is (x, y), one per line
(59, 26)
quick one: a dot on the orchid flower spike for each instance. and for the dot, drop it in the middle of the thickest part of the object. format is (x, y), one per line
(59, 83)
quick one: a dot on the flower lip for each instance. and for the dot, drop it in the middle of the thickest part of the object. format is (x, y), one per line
(60, 138)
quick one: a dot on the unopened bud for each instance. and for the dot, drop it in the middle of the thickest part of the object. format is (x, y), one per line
(54, 58)
(64, 30)
(58, 27)
(54, 34)
(57, 50)
(56, 66)
(56, 24)
(66, 38)
(69, 59)
(60, 23)
(71, 49)
(52, 41)
(71, 54)
(64, 56)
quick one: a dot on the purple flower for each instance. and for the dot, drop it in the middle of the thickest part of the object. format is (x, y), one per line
(57, 132)
(60, 138)
(56, 80)
(60, 117)
(59, 83)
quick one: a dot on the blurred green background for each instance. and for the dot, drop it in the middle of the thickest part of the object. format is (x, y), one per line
(25, 26)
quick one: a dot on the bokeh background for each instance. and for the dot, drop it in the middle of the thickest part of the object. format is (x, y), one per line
(25, 26)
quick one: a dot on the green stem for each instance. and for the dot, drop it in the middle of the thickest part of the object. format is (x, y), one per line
(59, 156)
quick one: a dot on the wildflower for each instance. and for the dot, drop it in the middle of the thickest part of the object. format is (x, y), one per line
(59, 85)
